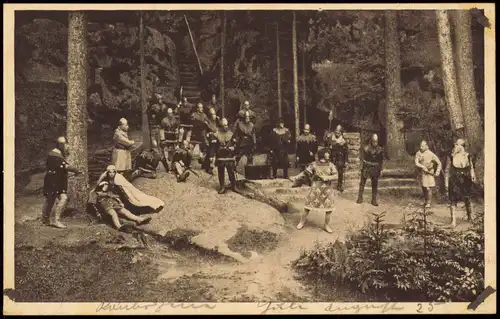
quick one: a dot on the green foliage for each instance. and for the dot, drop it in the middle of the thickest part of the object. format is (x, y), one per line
(418, 262)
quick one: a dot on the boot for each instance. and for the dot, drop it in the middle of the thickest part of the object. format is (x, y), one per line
(468, 208)
(285, 173)
(360, 194)
(222, 190)
(453, 217)
(55, 220)
(429, 198)
(327, 222)
(302, 221)
(183, 177)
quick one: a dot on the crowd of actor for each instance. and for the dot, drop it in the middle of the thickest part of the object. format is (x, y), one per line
(177, 132)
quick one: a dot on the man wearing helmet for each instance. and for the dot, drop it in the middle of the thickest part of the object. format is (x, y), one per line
(307, 146)
(246, 139)
(224, 156)
(210, 141)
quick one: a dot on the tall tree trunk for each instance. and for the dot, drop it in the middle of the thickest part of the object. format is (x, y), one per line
(304, 86)
(465, 79)
(295, 78)
(146, 135)
(448, 68)
(278, 67)
(395, 145)
(222, 43)
(76, 130)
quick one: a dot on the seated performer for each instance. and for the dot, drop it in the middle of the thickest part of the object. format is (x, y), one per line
(224, 157)
(321, 196)
(339, 150)
(280, 139)
(210, 141)
(182, 161)
(429, 167)
(108, 201)
(146, 163)
(459, 179)
(307, 146)
(245, 139)
(121, 157)
(133, 199)
(170, 125)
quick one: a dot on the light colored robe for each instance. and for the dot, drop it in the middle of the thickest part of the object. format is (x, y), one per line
(122, 158)
(426, 160)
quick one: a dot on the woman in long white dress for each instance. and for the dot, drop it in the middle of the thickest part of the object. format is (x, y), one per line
(321, 197)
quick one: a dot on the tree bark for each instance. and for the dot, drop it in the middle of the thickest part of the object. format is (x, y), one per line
(448, 68)
(146, 135)
(395, 145)
(465, 79)
(295, 78)
(304, 86)
(76, 130)
(278, 67)
(222, 43)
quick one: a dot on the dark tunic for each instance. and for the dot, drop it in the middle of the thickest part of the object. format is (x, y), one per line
(225, 139)
(56, 178)
(280, 139)
(211, 127)
(460, 181)
(339, 153)
(305, 144)
(148, 160)
(185, 111)
(198, 120)
(372, 159)
(245, 134)
(170, 124)
(110, 200)
(183, 155)
(155, 114)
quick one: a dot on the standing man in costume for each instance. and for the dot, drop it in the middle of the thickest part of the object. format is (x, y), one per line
(339, 149)
(170, 125)
(121, 157)
(224, 157)
(307, 146)
(156, 112)
(245, 108)
(210, 141)
(199, 120)
(214, 104)
(280, 139)
(182, 161)
(185, 109)
(246, 139)
(146, 163)
(55, 184)
(372, 157)
(459, 179)
(429, 167)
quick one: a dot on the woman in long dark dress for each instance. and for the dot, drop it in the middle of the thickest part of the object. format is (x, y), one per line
(459, 179)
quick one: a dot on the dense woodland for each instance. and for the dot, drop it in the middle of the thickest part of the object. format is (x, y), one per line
(354, 63)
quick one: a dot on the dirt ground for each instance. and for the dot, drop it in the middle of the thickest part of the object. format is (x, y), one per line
(90, 261)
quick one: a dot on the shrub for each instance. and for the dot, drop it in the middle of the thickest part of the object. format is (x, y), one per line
(418, 262)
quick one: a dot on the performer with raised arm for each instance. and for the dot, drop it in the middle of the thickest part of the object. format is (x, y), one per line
(210, 141)
(307, 146)
(55, 184)
(321, 197)
(224, 157)
(122, 157)
(170, 125)
(459, 179)
(339, 150)
(372, 156)
(429, 167)
(280, 139)
(245, 139)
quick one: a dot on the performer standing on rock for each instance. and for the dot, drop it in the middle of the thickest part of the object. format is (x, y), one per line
(224, 157)
(185, 109)
(339, 149)
(429, 166)
(121, 157)
(459, 179)
(182, 161)
(372, 156)
(212, 126)
(170, 125)
(280, 139)
(307, 146)
(55, 184)
(246, 139)
(321, 197)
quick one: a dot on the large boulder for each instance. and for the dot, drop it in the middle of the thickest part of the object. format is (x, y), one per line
(208, 220)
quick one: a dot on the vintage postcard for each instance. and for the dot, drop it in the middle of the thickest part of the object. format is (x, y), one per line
(249, 159)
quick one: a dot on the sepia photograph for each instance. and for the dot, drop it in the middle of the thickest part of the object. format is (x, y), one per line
(286, 159)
